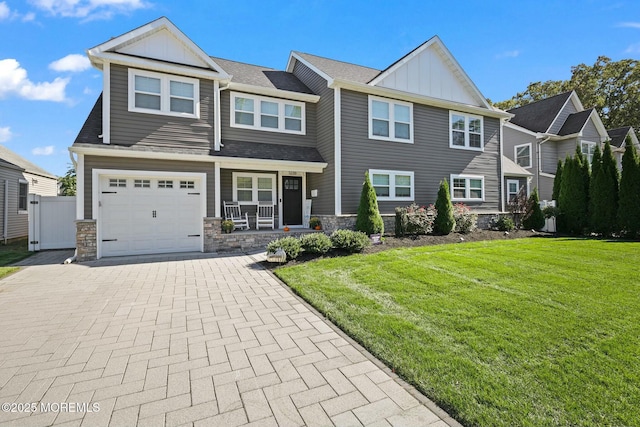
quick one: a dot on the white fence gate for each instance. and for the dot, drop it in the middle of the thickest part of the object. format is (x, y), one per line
(549, 223)
(52, 222)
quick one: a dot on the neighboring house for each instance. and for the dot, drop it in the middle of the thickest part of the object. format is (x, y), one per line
(176, 133)
(18, 178)
(617, 138)
(541, 133)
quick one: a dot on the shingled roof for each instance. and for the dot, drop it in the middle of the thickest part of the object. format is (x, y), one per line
(339, 69)
(256, 150)
(256, 75)
(618, 135)
(538, 116)
(575, 122)
(92, 127)
(13, 159)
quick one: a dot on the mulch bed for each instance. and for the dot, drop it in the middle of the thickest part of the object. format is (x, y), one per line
(392, 242)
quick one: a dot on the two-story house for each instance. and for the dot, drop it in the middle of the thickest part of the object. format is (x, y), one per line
(543, 132)
(176, 133)
(618, 138)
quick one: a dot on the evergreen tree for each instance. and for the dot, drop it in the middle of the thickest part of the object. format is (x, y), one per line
(534, 219)
(629, 195)
(604, 194)
(445, 222)
(596, 186)
(573, 197)
(369, 220)
(557, 181)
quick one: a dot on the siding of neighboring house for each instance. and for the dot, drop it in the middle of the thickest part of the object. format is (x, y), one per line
(324, 182)
(41, 185)
(262, 136)
(568, 109)
(513, 137)
(17, 223)
(98, 162)
(130, 128)
(429, 157)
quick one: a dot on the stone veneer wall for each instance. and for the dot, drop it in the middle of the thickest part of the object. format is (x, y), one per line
(86, 240)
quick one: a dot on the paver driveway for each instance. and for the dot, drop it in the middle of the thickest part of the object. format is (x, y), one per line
(187, 340)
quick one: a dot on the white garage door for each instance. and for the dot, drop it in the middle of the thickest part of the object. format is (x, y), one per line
(150, 214)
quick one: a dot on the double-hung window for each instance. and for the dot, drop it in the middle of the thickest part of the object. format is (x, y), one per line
(392, 185)
(467, 187)
(23, 191)
(270, 114)
(588, 149)
(157, 93)
(390, 120)
(465, 131)
(523, 155)
(251, 188)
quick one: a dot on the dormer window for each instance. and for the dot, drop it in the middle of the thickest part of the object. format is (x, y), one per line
(270, 114)
(156, 93)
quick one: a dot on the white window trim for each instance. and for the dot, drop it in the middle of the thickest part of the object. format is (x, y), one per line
(515, 155)
(23, 211)
(392, 187)
(165, 97)
(590, 144)
(466, 131)
(467, 188)
(392, 122)
(510, 181)
(254, 186)
(257, 113)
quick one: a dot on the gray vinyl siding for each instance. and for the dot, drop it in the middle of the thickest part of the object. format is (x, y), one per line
(567, 147)
(262, 136)
(512, 138)
(568, 109)
(590, 132)
(324, 204)
(522, 183)
(95, 162)
(226, 194)
(129, 128)
(549, 156)
(429, 157)
(545, 188)
(17, 223)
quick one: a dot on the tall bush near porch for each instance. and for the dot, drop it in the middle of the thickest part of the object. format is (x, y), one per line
(629, 202)
(369, 220)
(445, 222)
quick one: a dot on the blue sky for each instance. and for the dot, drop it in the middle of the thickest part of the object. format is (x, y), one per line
(47, 88)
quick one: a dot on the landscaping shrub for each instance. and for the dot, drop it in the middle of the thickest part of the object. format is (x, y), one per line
(289, 244)
(350, 241)
(369, 220)
(629, 201)
(505, 223)
(466, 221)
(444, 223)
(557, 181)
(573, 199)
(603, 192)
(316, 243)
(534, 218)
(414, 220)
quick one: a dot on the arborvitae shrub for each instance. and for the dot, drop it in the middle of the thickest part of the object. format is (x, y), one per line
(445, 222)
(369, 220)
(534, 218)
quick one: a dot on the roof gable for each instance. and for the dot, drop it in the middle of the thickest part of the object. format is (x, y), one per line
(432, 71)
(158, 40)
(333, 69)
(575, 122)
(617, 136)
(13, 158)
(539, 116)
(256, 75)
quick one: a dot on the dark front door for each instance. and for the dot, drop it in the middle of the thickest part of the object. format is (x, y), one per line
(292, 200)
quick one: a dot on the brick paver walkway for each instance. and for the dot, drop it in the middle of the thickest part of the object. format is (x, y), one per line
(181, 341)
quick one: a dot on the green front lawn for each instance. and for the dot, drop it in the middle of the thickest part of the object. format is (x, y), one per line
(10, 253)
(503, 333)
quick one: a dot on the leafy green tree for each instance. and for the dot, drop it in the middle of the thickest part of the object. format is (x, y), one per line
(369, 220)
(609, 86)
(556, 181)
(629, 201)
(445, 222)
(68, 182)
(534, 219)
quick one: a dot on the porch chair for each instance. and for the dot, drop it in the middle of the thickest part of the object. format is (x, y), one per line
(233, 212)
(264, 215)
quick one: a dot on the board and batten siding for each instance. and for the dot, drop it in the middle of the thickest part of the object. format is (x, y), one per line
(132, 128)
(429, 157)
(121, 163)
(324, 204)
(17, 223)
(566, 111)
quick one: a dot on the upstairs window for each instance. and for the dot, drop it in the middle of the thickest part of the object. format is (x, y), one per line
(465, 131)
(157, 93)
(588, 148)
(390, 120)
(523, 155)
(270, 114)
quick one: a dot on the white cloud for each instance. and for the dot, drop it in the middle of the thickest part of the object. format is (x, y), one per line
(43, 151)
(634, 48)
(28, 17)
(5, 134)
(14, 80)
(508, 54)
(87, 90)
(73, 62)
(5, 12)
(629, 25)
(89, 9)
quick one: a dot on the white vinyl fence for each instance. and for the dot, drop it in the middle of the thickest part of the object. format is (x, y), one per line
(52, 222)
(550, 223)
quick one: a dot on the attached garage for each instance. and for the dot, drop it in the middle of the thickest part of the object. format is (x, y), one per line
(146, 212)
